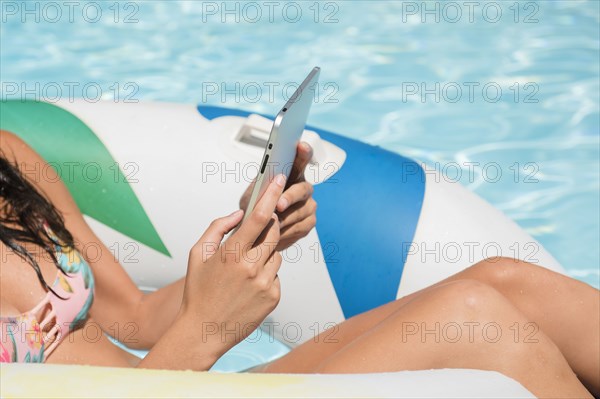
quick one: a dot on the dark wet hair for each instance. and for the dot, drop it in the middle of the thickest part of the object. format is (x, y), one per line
(23, 212)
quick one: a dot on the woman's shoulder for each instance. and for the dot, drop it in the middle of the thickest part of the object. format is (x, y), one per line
(17, 151)
(30, 163)
(11, 144)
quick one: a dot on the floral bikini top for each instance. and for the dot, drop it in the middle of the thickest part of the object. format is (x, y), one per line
(32, 336)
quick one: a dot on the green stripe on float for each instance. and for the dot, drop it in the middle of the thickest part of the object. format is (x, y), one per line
(93, 177)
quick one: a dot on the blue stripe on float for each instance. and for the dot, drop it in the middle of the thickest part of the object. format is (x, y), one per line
(366, 218)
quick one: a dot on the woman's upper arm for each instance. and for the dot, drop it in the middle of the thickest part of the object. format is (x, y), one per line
(116, 295)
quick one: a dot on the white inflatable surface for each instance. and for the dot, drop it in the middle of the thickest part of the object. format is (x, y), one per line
(191, 170)
(54, 381)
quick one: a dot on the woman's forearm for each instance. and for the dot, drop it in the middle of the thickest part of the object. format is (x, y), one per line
(155, 314)
(184, 347)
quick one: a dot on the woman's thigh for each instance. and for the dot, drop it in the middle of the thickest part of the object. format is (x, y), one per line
(307, 356)
(304, 358)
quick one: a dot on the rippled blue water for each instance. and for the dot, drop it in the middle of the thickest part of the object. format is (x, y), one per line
(394, 74)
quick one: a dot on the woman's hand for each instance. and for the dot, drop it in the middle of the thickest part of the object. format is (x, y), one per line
(296, 208)
(232, 286)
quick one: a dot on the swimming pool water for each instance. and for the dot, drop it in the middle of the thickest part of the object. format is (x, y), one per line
(506, 102)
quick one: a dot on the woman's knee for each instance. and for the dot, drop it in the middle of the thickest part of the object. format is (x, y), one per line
(502, 271)
(470, 297)
(479, 305)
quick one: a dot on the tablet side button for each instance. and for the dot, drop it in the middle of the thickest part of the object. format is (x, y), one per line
(264, 165)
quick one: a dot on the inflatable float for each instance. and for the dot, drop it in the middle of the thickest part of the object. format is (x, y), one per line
(150, 177)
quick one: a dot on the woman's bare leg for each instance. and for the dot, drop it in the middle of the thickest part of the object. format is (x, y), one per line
(573, 324)
(461, 324)
(308, 355)
(566, 310)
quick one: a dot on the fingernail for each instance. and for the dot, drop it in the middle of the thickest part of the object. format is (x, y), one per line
(237, 213)
(280, 180)
(305, 145)
(283, 203)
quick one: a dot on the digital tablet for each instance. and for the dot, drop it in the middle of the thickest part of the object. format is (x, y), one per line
(280, 150)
